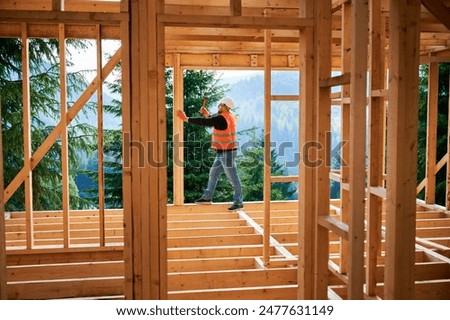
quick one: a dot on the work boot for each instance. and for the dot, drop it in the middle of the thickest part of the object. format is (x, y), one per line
(203, 201)
(236, 206)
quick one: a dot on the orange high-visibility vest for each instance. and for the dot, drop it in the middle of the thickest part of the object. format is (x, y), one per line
(225, 139)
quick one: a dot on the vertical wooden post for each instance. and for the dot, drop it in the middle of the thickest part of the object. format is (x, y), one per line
(376, 142)
(267, 142)
(130, 163)
(147, 246)
(306, 182)
(27, 137)
(101, 173)
(57, 5)
(432, 114)
(236, 7)
(124, 6)
(345, 126)
(178, 137)
(358, 89)
(404, 30)
(64, 135)
(3, 287)
(323, 109)
(447, 198)
(160, 208)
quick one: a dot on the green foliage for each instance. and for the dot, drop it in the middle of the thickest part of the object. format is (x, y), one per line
(251, 170)
(45, 113)
(197, 154)
(112, 150)
(442, 125)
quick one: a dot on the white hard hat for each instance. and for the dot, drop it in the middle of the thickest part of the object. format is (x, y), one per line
(228, 102)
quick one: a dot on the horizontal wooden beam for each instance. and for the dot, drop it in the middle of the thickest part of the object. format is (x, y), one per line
(378, 191)
(62, 17)
(443, 56)
(335, 81)
(56, 132)
(210, 264)
(259, 230)
(92, 6)
(235, 21)
(72, 31)
(232, 279)
(275, 179)
(264, 293)
(334, 225)
(222, 59)
(439, 10)
(285, 98)
(73, 288)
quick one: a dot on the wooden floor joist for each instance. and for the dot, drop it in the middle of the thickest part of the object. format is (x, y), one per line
(313, 248)
(205, 265)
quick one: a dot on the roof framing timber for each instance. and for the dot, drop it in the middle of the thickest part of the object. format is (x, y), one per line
(235, 21)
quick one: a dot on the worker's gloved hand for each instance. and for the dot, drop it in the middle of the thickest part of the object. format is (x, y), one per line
(182, 115)
(204, 112)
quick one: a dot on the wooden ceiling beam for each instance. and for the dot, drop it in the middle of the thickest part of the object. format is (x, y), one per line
(73, 31)
(92, 6)
(235, 22)
(438, 10)
(228, 32)
(62, 17)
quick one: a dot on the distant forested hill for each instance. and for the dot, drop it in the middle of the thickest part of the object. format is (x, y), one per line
(248, 95)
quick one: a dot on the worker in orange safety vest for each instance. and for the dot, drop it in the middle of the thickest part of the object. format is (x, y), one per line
(223, 141)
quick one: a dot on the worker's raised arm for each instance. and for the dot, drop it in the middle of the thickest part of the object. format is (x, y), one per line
(203, 111)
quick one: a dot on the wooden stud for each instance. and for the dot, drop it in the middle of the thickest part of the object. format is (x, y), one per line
(27, 136)
(306, 180)
(57, 5)
(236, 7)
(148, 193)
(54, 135)
(127, 166)
(432, 115)
(3, 286)
(100, 149)
(124, 6)
(323, 110)
(133, 251)
(160, 215)
(447, 198)
(358, 89)
(267, 142)
(402, 149)
(148, 230)
(384, 138)
(345, 127)
(64, 135)
(375, 152)
(178, 142)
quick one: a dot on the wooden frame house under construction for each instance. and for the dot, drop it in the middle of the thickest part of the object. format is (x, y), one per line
(378, 241)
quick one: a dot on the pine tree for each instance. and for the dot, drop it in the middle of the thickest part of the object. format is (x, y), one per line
(441, 145)
(198, 156)
(251, 170)
(45, 113)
